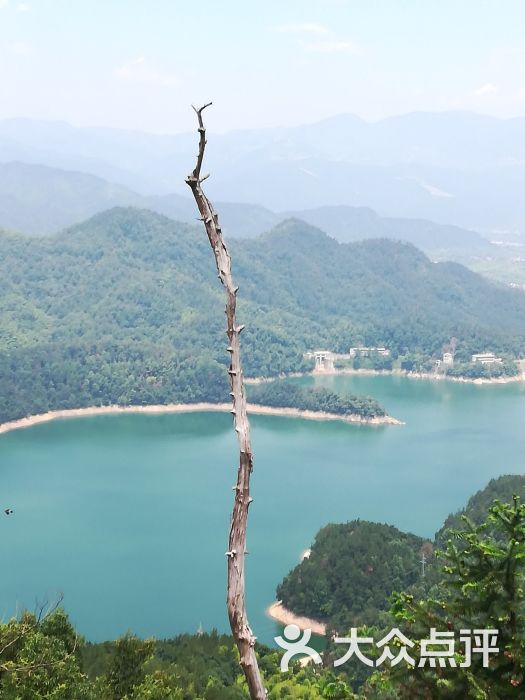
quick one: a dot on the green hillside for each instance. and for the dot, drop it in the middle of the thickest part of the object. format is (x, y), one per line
(351, 572)
(380, 291)
(503, 489)
(126, 307)
(41, 200)
(354, 567)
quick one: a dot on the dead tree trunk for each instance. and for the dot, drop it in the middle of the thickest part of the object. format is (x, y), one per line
(237, 540)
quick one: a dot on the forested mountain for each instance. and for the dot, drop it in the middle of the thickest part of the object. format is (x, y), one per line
(126, 308)
(377, 283)
(503, 489)
(40, 200)
(354, 567)
(351, 572)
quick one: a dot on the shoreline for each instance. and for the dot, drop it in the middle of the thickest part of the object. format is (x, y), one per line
(387, 372)
(424, 375)
(268, 380)
(276, 611)
(255, 409)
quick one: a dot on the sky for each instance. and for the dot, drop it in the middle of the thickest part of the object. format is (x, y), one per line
(140, 64)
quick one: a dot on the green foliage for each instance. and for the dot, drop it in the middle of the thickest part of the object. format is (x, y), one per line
(126, 669)
(36, 380)
(38, 660)
(290, 395)
(206, 667)
(477, 370)
(126, 308)
(502, 489)
(374, 361)
(351, 572)
(482, 588)
(158, 686)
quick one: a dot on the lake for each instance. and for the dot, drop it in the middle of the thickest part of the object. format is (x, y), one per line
(127, 516)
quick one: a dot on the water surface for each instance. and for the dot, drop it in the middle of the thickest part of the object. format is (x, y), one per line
(128, 515)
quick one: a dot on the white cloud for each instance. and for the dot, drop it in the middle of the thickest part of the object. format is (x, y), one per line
(138, 71)
(302, 28)
(486, 89)
(3, 3)
(335, 46)
(23, 7)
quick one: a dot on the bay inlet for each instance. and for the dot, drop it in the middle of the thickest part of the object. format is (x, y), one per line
(114, 510)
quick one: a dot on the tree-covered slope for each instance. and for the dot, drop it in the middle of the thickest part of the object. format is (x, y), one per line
(41, 200)
(354, 567)
(502, 489)
(286, 395)
(388, 289)
(351, 572)
(132, 295)
(46, 658)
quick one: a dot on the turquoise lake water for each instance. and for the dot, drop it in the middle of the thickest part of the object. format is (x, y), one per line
(127, 516)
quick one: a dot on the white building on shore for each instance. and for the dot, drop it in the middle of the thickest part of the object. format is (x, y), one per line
(324, 360)
(486, 358)
(448, 359)
(367, 351)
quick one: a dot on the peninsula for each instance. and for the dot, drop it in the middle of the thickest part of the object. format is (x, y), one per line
(255, 409)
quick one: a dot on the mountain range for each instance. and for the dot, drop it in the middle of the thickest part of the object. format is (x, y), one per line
(40, 200)
(163, 269)
(126, 308)
(454, 168)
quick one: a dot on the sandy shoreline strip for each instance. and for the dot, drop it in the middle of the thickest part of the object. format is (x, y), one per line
(189, 408)
(283, 616)
(395, 372)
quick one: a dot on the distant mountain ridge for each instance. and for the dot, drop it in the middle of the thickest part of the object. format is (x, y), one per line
(453, 167)
(39, 200)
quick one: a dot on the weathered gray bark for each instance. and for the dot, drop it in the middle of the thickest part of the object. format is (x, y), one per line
(237, 540)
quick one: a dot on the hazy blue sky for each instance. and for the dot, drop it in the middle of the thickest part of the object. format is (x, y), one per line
(140, 63)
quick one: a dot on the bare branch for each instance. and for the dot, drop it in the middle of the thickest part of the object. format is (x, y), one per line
(240, 627)
(202, 142)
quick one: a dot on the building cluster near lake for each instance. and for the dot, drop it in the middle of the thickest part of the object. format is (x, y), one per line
(484, 366)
